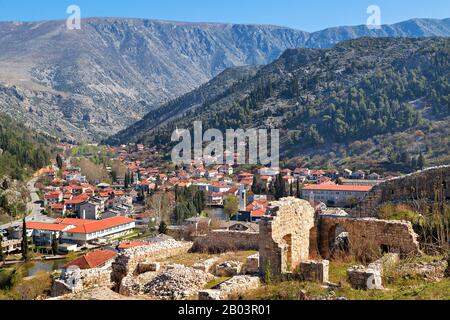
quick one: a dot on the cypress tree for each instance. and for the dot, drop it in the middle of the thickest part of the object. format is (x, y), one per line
(421, 161)
(54, 244)
(24, 245)
(162, 227)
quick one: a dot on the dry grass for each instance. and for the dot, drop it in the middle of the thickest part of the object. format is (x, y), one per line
(189, 259)
(398, 288)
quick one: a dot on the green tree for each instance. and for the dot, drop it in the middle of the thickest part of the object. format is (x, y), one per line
(231, 205)
(59, 161)
(54, 244)
(162, 227)
(256, 188)
(24, 244)
(298, 189)
(280, 188)
(421, 162)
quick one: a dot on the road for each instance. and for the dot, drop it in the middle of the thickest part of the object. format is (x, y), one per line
(33, 206)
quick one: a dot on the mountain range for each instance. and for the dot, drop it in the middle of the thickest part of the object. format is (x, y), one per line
(84, 85)
(380, 98)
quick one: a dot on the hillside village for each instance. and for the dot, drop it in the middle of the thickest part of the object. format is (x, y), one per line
(211, 218)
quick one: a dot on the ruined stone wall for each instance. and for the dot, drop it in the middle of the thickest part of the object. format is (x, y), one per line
(127, 262)
(429, 184)
(76, 281)
(224, 240)
(397, 236)
(284, 235)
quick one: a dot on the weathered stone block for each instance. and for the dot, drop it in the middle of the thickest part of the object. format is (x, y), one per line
(228, 269)
(362, 278)
(206, 265)
(315, 271)
(252, 264)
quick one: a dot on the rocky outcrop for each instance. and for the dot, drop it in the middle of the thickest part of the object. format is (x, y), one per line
(13, 195)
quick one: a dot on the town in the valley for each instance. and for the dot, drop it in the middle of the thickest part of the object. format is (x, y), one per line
(123, 223)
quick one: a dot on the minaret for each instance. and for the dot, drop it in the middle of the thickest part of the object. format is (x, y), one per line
(242, 198)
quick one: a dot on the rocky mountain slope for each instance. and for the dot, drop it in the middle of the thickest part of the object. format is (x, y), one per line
(325, 100)
(89, 83)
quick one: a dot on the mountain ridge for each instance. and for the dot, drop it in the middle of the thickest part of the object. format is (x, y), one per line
(86, 85)
(328, 99)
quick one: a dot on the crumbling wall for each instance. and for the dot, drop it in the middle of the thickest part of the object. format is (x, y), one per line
(127, 262)
(76, 281)
(394, 236)
(426, 185)
(284, 235)
(225, 240)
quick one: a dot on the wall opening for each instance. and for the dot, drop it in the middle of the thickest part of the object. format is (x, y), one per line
(338, 241)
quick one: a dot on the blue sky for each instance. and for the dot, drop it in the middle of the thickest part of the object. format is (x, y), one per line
(308, 15)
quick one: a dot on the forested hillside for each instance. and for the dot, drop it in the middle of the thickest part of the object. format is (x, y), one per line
(326, 99)
(22, 150)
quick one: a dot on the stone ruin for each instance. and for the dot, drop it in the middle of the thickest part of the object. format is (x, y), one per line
(292, 237)
(284, 235)
(293, 233)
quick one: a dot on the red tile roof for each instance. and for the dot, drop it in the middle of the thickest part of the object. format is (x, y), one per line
(92, 259)
(335, 187)
(46, 226)
(90, 226)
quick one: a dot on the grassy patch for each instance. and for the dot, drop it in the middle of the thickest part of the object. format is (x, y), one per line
(189, 259)
(397, 288)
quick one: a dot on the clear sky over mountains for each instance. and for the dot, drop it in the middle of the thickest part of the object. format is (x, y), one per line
(300, 14)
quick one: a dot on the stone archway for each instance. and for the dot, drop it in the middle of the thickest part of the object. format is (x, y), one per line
(338, 241)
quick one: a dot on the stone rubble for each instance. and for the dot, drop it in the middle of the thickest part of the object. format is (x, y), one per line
(177, 282)
(433, 272)
(235, 285)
